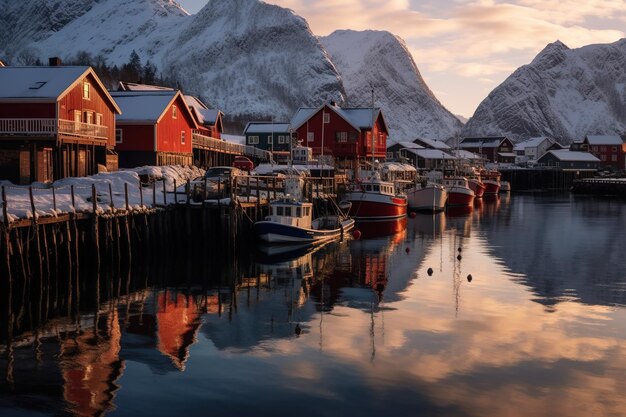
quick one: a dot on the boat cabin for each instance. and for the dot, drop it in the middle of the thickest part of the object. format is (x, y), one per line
(291, 212)
(378, 188)
(456, 182)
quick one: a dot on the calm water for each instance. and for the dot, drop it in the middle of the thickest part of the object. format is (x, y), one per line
(361, 328)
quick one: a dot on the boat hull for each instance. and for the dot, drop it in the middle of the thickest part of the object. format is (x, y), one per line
(428, 198)
(492, 187)
(460, 197)
(477, 186)
(366, 206)
(274, 232)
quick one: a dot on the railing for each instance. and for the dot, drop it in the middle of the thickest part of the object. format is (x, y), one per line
(206, 142)
(48, 127)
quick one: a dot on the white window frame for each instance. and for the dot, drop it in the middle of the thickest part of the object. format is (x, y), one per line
(174, 112)
(182, 137)
(270, 139)
(119, 136)
(86, 90)
(310, 137)
(326, 117)
(253, 140)
(99, 119)
(88, 117)
(281, 139)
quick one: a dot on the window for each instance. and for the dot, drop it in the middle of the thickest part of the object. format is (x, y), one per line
(78, 116)
(270, 140)
(326, 117)
(119, 135)
(88, 117)
(602, 148)
(279, 212)
(288, 211)
(98, 119)
(614, 158)
(614, 149)
(174, 112)
(389, 155)
(281, 139)
(341, 137)
(86, 91)
(298, 212)
(182, 137)
(253, 140)
(310, 136)
(603, 157)
(377, 188)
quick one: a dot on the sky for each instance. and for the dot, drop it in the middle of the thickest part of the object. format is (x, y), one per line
(466, 48)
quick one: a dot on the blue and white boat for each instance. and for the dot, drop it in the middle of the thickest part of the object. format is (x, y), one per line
(290, 220)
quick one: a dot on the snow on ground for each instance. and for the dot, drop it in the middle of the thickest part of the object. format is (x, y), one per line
(55, 199)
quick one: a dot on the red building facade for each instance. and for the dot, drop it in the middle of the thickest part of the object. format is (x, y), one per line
(155, 128)
(343, 133)
(609, 149)
(55, 122)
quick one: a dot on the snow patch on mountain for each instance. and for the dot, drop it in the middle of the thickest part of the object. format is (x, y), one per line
(377, 60)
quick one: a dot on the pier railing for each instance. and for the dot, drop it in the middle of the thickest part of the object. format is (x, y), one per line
(51, 127)
(201, 141)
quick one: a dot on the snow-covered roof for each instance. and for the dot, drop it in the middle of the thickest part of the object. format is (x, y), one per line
(605, 140)
(431, 154)
(126, 86)
(205, 115)
(43, 84)
(531, 143)
(463, 154)
(486, 142)
(433, 143)
(507, 154)
(572, 156)
(145, 106)
(398, 166)
(266, 127)
(404, 144)
(359, 118)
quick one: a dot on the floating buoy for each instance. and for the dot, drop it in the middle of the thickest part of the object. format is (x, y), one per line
(469, 278)
(412, 214)
(459, 257)
(356, 234)
(298, 330)
(407, 250)
(430, 272)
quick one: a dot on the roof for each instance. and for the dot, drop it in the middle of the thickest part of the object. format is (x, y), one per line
(266, 127)
(485, 142)
(398, 166)
(205, 115)
(572, 156)
(44, 84)
(145, 106)
(357, 117)
(531, 143)
(404, 144)
(433, 143)
(507, 154)
(463, 154)
(605, 140)
(126, 86)
(431, 154)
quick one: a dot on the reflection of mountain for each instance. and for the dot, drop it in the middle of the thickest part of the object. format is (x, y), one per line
(579, 257)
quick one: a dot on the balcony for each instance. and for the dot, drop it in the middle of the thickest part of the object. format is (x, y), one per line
(51, 127)
(200, 141)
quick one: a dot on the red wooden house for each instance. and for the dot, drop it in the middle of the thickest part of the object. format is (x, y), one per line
(494, 148)
(609, 149)
(209, 120)
(55, 122)
(343, 133)
(155, 128)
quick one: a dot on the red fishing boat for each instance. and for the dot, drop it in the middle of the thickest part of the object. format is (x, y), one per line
(491, 179)
(375, 199)
(459, 192)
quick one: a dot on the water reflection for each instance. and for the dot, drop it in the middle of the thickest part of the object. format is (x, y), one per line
(356, 327)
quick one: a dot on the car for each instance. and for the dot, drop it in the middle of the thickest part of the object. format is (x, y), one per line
(215, 183)
(243, 163)
(223, 173)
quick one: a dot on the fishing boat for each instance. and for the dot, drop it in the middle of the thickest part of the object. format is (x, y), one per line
(290, 220)
(375, 199)
(505, 186)
(476, 185)
(459, 192)
(491, 179)
(427, 196)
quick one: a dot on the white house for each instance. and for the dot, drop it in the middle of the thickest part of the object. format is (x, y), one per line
(531, 149)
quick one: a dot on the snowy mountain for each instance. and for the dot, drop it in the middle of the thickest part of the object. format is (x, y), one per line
(380, 61)
(564, 93)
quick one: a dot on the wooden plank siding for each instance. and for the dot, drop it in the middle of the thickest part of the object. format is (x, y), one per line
(169, 129)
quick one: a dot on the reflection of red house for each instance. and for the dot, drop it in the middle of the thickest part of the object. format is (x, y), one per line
(155, 128)
(178, 320)
(90, 369)
(55, 122)
(344, 133)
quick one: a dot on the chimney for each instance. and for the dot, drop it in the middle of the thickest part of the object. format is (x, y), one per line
(54, 61)
(333, 103)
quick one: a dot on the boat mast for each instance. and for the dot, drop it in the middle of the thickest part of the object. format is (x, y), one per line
(372, 131)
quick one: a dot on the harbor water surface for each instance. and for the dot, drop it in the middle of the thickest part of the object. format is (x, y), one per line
(516, 308)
